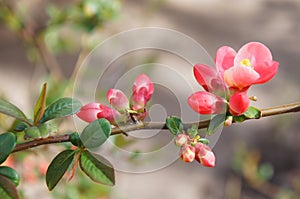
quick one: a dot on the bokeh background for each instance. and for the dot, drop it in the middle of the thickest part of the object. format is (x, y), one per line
(256, 159)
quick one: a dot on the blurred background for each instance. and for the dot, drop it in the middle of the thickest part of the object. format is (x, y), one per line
(48, 40)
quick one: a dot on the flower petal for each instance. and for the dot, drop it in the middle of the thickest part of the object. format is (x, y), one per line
(266, 71)
(206, 103)
(204, 75)
(224, 59)
(238, 103)
(117, 99)
(257, 53)
(240, 76)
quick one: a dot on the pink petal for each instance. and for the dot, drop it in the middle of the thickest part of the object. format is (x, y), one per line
(266, 71)
(204, 75)
(256, 52)
(204, 155)
(117, 99)
(238, 103)
(206, 103)
(108, 113)
(88, 112)
(224, 59)
(240, 76)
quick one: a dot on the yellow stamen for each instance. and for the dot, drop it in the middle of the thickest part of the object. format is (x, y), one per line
(245, 62)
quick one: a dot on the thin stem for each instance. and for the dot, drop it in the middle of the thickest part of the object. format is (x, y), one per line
(272, 111)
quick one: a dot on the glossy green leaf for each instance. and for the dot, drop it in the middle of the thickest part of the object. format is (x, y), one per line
(96, 133)
(60, 108)
(215, 123)
(193, 131)
(7, 144)
(58, 167)
(40, 105)
(174, 124)
(238, 119)
(21, 126)
(97, 168)
(9, 109)
(7, 189)
(75, 140)
(204, 141)
(11, 174)
(252, 113)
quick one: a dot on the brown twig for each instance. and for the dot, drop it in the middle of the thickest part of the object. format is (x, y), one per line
(272, 111)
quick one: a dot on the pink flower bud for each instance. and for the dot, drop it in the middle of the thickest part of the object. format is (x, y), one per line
(238, 103)
(181, 139)
(206, 103)
(204, 155)
(142, 91)
(117, 99)
(187, 153)
(92, 111)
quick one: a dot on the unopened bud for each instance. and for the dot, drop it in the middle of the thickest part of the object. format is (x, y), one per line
(181, 139)
(228, 121)
(253, 98)
(187, 153)
(204, 155)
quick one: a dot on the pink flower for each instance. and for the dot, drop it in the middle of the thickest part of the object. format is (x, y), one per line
(93, 111)
(142, 91)
(252, 64)
(118, 99)
(187, 153)
(206, 103)
(204, 155)
(238, 103)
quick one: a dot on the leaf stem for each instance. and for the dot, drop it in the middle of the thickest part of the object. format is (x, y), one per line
(266, 112)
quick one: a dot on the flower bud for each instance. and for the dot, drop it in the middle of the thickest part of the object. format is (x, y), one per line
(187, 153)
(142, 91)
(238, 103)
(181, 139)
(228, 121)
(117, 99)
(204, 155)
(92, 111)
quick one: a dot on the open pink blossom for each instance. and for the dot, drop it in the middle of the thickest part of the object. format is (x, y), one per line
(92, 111)
(117, 99)
(206, 103)
(252, 64)
(142, 91)
(204, 155)
(239, 103)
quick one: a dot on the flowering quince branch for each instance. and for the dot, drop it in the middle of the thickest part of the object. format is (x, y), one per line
(224, 97)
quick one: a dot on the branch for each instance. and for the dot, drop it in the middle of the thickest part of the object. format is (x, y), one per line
(272, 111)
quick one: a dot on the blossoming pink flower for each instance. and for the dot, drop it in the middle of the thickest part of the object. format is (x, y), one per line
(238, 103)
(204, 155)
(142, 91)
(117, 99)
(206, 103)
(252, 64)
(187, 153)
(93, 111)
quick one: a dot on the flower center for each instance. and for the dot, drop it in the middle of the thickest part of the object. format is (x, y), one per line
(245, 62)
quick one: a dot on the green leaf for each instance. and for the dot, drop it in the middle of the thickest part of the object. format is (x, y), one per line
(174, 124)
(96, 133)
(60, 108)
(215, 123)
(204, 141)
(252, 113)
(21, 126)
(239, 119)
(10, 174)
(75, 140)
(40, 105)
(7, 189)
(97, 168)
(9, 109)
(7, 144)
(193, 131)
(58, 167)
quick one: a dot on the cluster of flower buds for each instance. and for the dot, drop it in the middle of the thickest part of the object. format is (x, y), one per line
(236, 72)
(192, 148)
(120, 109)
